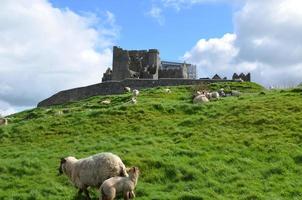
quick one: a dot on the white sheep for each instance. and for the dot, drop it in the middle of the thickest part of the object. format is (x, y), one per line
(221, 92)
(135, 93)
(107, 101)
(235, 93)
(133, 100)
(212, 95)
(120, 185)
(92, 171)
(3, 121)
(127, 89)
(167, 90)
(200, 99)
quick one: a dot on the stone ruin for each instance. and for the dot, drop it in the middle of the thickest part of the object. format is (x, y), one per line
(242, 76)
(145, 64)
(138, 69)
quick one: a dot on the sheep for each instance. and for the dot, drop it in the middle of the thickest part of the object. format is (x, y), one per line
(3, 121)
(135, 93)
(167, 90)
(235, 93)
(221, 92)
(212, 95)
(120, 185)
(199, 93)
(200, 99)
(127, 89)
(92, 171)
(133, 100)
(107, 101)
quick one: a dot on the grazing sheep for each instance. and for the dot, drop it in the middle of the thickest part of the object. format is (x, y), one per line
(127, 89)
(135, 93)
(3, 121)
(133, 100)
(212, 95)
(92, 171)
(221, 92)
(167, 90)
(120, 185)
(107, 101)
(235, 93)
(200, 99)
(60, 112)
(199, 93)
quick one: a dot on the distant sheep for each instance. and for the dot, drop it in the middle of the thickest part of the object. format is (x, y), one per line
(200, 99)
(107, 101)
(92, 171)
(133, 100)
(135, 93)
(3, 121)
(221, 92)
(212, 95)
(167, 90)
(235, 93)
(120, 185)
(127, 89)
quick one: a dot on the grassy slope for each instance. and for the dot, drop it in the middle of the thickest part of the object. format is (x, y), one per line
(236, 148)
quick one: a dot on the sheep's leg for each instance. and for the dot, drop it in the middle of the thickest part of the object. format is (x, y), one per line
(126, 195)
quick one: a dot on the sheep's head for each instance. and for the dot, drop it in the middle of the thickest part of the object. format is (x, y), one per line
(62, 165)
(134, 171)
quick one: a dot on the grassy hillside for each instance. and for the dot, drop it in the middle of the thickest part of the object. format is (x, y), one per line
(236, 148)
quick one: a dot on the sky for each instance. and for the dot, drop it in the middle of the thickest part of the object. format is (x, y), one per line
(51, 45)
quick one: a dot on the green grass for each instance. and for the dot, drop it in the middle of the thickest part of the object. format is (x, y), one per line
(236, 148)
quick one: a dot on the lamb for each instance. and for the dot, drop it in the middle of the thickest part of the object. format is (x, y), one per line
(107, 101)
(235, 93)
(212, 95)
(167, 90)
(120, 185)
(221, 92)
(92, 171)
(133, 100)
(200, 99)
(3, 121)
(127, 89)
(135, 93)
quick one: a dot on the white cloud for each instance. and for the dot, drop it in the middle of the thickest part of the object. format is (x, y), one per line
(266, 41)
(45, 49)
(156, 13)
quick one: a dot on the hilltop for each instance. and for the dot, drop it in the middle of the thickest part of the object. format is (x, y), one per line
(246, 147)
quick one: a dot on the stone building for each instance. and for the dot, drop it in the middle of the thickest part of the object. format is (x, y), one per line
(173, 70)
(145, 64)
(246, 78)
(192, 71)
(135, 64)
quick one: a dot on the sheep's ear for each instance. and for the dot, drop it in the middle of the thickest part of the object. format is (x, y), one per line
(63, 160)
(134, 169)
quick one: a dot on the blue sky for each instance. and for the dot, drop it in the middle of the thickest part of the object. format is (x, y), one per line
(180, 31)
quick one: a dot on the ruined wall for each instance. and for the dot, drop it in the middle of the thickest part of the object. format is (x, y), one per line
(246, 78)
(173, 73)
(135, 64)
(116, 87)
(120, 64)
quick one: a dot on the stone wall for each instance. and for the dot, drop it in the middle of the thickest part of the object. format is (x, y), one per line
(116, 87)
(135, 64)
